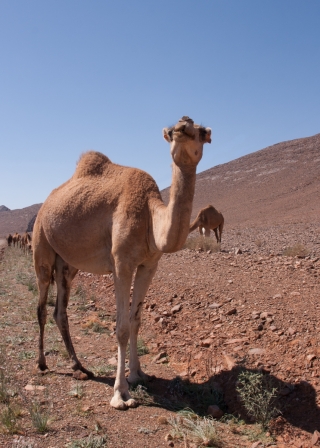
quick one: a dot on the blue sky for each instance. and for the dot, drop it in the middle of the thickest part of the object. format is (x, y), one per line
(109, 75)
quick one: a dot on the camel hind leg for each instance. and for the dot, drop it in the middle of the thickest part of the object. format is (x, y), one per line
(43, 258)
(216, 234)
(64, 276)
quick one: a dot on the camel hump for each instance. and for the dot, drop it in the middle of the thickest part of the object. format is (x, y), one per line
(91, 163)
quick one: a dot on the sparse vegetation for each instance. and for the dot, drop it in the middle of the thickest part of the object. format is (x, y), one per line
(9, 419)
(104, 370)
(77, 390)
(202, 243)
(188, 426)
(298, 250)
(39, 417)
(258, 394)
(90, 442)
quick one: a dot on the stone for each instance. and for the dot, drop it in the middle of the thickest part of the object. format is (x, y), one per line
(176, 308)
(291, 331)
(232, 311)
(31, 387)
(215, 305)
(315, 437)
(264, 315)
(256, 351)
(273, 328)
(206, 342)
(113, 361)
(311, 357)
(237, 251)
(159, 356)
(215, 411)
(230, 361)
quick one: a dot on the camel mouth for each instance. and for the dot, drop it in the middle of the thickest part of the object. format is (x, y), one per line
(185, 126)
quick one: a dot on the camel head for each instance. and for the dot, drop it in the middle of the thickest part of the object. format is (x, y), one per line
(186, 140)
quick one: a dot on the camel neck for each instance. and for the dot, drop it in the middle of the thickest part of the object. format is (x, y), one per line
(171, 222)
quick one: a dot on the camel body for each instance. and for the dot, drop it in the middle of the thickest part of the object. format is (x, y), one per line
(9, 239)
(209, 219)
(111, 219)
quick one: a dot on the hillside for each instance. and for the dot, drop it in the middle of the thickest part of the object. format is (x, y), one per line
(17, 220)
(277, 184)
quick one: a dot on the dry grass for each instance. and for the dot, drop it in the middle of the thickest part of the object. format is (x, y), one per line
(202, 243)
(298, 250)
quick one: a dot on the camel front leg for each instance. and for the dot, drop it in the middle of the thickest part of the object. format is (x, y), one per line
(122, 281)
(142, 282)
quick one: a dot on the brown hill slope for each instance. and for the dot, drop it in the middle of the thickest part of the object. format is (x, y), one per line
(17, 220)
(277, 184)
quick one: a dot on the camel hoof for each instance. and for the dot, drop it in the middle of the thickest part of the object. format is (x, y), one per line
(42, 366)
(80, 368)
(120, 405)
(79, 375)
(132, 403)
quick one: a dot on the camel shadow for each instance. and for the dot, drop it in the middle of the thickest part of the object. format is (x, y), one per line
(296, 402)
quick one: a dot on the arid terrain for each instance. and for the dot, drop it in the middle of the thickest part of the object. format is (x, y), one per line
(210, 316)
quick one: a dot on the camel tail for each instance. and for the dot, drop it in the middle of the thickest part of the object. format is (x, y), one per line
(193, 225)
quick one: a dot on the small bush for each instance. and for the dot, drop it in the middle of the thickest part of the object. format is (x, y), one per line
(202, 243)
(90, 442)
(189, 426)
(104, 370)
(258, 394)
(39, 417)
(9, 419)
(77, 390)
(298, 250)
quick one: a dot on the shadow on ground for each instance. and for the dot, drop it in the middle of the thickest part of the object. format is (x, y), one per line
(297, 402)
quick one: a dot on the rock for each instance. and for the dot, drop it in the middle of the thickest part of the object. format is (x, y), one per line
(311, 357)
(215, 305)
(277, 296)
(256, 351)
(264, 315)
(206, 342)
(162, 420)
(230, 361)
(113, 361)
(295, 294)
(159, 356)
(232, 311)
(215, 411)
(176, 308)
(273, 328)
(168, 437)
(315, 437)
(237, 251)
(31, 387)
(291, 331)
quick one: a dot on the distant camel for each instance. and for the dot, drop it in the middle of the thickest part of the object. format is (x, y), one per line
(9, 239)
(25, 242)
(16, 239)
(209, 219)
(111, 219)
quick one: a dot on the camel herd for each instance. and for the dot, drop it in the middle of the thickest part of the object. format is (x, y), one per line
(22, 241)
(111, 219)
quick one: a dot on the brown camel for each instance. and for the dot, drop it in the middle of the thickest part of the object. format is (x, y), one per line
(209, 218)
(25, 242)
(111, 219)
(9, 239)
(16, 239)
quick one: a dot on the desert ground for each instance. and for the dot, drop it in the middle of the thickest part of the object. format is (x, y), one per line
(208, 316)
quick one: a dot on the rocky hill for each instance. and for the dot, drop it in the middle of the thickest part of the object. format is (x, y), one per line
(17, 220)
(275, 185)
(3, 208)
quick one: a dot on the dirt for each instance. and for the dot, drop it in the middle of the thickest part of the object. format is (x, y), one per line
(207, 317)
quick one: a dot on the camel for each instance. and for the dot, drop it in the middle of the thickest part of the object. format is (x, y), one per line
(25, 242)
(209, 218)
(9, 239)
(111, 219)
(16, 239)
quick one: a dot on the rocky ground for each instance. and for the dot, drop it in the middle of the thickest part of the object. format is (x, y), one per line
(207, 317)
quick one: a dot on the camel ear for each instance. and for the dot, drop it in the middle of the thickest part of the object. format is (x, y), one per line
(167, 134)
(207, 136)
